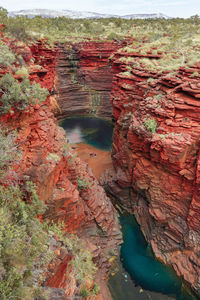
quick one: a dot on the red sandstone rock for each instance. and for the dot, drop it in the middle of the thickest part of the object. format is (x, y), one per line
(84, 78)
(160, 170)
(56, 175)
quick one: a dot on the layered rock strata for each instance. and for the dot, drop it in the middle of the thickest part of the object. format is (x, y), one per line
(84, 77)
(155, 153)
(156, 160)
(48, 161)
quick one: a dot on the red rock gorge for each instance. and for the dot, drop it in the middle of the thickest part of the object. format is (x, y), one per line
(155, 153)
(156, 159)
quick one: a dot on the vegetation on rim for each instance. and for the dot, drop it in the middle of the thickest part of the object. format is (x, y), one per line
(19, 95)
(160, 44)
(62, 28)
(24, 241)
(157, 45)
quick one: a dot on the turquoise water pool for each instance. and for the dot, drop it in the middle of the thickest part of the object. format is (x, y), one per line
(139, 275)
(93, 131)
(145, 270)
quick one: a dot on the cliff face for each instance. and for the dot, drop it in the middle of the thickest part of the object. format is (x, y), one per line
(156, 160)
(54, 168)
(84, 78)
(155, 154)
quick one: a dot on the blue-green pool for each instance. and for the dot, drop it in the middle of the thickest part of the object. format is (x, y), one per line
(139, 275)
(144, 270)
(93, 131)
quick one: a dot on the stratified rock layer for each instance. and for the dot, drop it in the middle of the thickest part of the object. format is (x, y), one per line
(84, 77)
(156, 175)
(55, 169)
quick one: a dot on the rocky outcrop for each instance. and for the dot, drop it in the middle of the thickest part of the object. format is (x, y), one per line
(84, 78)
(156, 160)
(48, 161)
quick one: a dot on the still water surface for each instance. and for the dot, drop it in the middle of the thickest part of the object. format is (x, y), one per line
(146, 272)
(92, 131)
(138, 276)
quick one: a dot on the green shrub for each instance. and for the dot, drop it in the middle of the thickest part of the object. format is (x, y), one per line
(96, 289)
(9, 154)
(19, 95)
(126, 85)
(111, 57)
(158, 97)
(150, 80)
(194, 74)
(22, 72)
(7, 57)
(23, 243)
(126, 73)
(3, 13)
(23, 238)
(82, 264)
(83, 183)
(151, 125)
(84, 292)
(113, 36)
(66, 148)
(18, 28)
(162, 136)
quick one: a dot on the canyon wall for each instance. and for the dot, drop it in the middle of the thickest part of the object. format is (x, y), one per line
(156, 160)
(155, 153)
(155, 149)
(84, 77)
(51, 164)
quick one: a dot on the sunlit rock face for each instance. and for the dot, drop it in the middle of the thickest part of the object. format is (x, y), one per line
(84, 77)
(157, 171)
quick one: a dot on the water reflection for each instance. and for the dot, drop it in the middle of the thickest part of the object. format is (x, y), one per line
(93, 131)
(75, 135)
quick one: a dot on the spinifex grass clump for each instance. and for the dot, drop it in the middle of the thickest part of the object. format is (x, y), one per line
(23, 72)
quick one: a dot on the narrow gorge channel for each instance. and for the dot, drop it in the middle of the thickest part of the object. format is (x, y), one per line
(83, 87)
(138, 274)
